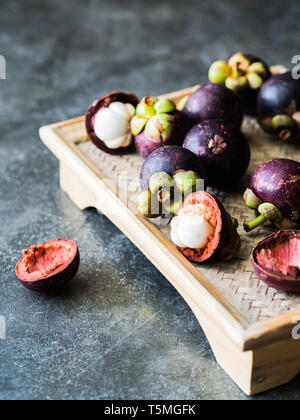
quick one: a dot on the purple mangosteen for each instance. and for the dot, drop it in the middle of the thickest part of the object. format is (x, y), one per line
(276, 261)
(158, 123)
(275, 195)
(243, 74)
(223, 150)
(170, 159)
(108, 122)
(278, 107)
(214, 101)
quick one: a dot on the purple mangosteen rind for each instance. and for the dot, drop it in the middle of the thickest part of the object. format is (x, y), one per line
(274, 278)
(214, 101)
(278, 182)
(145, 145)
(223, 149)
(170, 159)
(275, 195)
(278, 107)
(227, 239)
(101, 103)
(53, 282)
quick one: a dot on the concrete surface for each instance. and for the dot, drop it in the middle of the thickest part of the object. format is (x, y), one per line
(119, 330)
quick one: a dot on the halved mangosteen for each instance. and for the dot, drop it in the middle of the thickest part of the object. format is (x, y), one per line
(202, 229)
(108, 122)
(276, 261)
(47, 267)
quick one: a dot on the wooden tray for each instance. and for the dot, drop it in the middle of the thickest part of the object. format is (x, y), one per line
(248, 325)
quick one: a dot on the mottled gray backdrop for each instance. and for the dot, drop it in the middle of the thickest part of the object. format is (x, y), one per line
(119, 330)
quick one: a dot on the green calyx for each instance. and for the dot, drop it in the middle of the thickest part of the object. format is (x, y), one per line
(251, 200)
(155, 116)
(238, 73)
(285, 126)
(219, 72)
(159, 181)
(160, 127)
(147, 205)
(267, 213)
(167, 192)
(187, 181)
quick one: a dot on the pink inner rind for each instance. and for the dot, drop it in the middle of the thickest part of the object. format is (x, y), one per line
(279, 255)
(46, 260)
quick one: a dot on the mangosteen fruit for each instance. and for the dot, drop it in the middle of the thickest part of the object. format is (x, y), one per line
(108, 122)
(214, 101)
(49, 266)
(276, 261)
(278, 107)
(157, 123)
(243, 74)
(170, 159)
(275, 195)
(223, 150)
(202, 229)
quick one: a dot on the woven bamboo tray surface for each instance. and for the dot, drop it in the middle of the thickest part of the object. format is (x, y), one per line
(235, 280)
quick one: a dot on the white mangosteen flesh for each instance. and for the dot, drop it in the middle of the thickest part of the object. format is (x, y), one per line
(112, 125)
(190, 229)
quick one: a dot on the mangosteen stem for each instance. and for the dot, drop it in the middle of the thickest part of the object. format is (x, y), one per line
(259, 221)
(268, 212)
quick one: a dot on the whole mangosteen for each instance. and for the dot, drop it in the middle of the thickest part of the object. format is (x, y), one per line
(158, 123)
(278, 107)
(243, 74)
(214, 101)
(202, 229)
(108, 122)
(47, 267)
(276, 261)
(170, 159)
(223, 150)
(275, 195)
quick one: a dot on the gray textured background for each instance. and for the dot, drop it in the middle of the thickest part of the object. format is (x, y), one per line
(119, 330)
